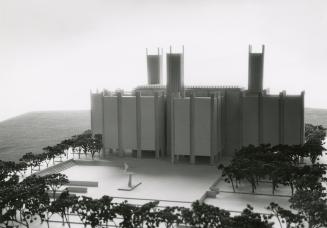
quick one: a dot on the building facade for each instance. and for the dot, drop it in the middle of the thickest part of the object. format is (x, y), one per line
(195, 122)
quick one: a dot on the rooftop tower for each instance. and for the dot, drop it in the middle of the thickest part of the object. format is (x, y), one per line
(175, 73)
(154, 65)
(255, 80)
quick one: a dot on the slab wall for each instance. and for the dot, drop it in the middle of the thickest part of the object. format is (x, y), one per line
(128, 115)
(110, 131)
(125, 126)
(195, 127)
(202, 126)
(231, 122)
(250, 120)
(181, 126)
(96, 113)
(293, 121)
(219, 126)
(270, 120)
(147, 123)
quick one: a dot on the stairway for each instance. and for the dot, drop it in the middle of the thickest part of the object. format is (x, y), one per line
(57, 168)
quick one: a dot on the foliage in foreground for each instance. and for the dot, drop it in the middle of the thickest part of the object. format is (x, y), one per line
(282, 165)
(28, 201)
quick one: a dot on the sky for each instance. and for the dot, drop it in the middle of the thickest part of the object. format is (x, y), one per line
(53, 52)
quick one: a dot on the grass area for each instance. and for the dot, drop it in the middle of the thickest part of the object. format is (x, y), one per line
(32, 131)
(316, 116)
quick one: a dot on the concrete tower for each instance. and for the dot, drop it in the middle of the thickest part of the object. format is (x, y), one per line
(255, 80)
(154, 65)
(175, 73)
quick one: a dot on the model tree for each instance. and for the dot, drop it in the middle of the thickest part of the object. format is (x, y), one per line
(63, 206)
(248, 219)
(314, 137)
(106, 210)
(55, 182)
(26, 198)
(286, 216)
(312, 206)
(31, 160)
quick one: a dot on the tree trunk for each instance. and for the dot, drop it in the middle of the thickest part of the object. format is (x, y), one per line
(67, 220)
(48, 225)
(63, 219)
(292, 189)
(273, 188)
(25, 220)
(231, 180)
(281, 226)
(310, 225)
(54, 194)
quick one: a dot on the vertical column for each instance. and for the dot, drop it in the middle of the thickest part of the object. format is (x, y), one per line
(172, 129)
(91, 115)
(219, 125)
(119, 120)
(302, 119)
(138, 125)
(192, 137)
(213, 137)
(281, 117)
(224, 123)
(168, 123)
(175, 95)
(162, 115)
(241, 117)
(260, 118)
(157, 124)
(103, 154)
(97, 113)
(109, 150)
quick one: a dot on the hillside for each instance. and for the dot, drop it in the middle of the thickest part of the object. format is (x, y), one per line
(316, 116)
(32, 131)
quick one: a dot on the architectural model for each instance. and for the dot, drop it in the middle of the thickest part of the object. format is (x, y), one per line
(189, 122)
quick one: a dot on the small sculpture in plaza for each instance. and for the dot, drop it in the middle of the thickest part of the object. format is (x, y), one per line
(125, 167)
(130, 185)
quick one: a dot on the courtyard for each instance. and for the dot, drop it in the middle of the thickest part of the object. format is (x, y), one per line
(171, 184)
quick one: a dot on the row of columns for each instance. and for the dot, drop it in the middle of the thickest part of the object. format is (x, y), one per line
(218, 123)
(158, 125)
(214, 125)
(281, 106)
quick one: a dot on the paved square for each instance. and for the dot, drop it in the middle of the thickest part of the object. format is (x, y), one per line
(160, 179)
